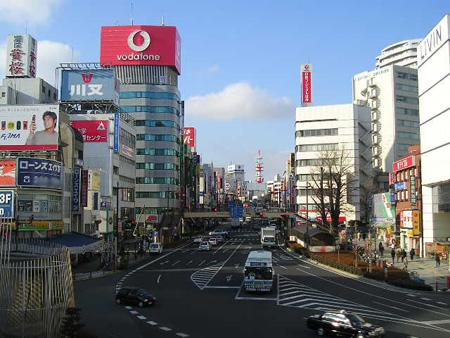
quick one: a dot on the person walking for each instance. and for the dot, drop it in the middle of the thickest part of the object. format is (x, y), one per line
(381, 249)
(393, 255)
(438, 259)
(412, 253)
(399, 254)
(404, 255)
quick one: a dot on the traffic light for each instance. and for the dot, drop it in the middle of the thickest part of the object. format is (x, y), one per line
(261, 214)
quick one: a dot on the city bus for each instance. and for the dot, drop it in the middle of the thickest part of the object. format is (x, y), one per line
(258, 271)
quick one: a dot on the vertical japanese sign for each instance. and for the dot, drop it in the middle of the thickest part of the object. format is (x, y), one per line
(92, 130)
(84, 187)
(189, 137)
(21, 56)
(412, 190)
(76, 186)
(116, 132)
(306, 74)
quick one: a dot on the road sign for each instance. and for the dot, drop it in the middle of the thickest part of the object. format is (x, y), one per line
(7, 203)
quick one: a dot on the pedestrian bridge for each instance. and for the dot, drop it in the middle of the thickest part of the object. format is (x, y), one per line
(226, 214)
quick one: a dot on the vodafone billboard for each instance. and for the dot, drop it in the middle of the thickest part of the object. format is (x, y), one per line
(140, 45)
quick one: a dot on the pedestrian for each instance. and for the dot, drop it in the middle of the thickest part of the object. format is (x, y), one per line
(404, 254)
(381, 249)
(399, 254)
(393, 255)
(412, 253)
(438, 259)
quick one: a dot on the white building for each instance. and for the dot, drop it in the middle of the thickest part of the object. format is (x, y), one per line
(334, 127)
(403, 53)
(434, 89)
(391, 93)
(235, 180)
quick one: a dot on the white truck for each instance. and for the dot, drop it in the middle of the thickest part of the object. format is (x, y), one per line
(268, 236)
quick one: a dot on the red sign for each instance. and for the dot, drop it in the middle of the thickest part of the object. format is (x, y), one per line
(404, 163)
(391, 178)
(306, 83)
(92, 130)
(7, 173)
(189, 136)
(140, 45)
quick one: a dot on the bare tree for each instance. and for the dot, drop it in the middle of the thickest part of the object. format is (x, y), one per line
(332, 185)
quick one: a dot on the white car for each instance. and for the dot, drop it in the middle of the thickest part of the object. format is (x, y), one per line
(198, 239)
(156, 248)
(204, 246)
(212, 241)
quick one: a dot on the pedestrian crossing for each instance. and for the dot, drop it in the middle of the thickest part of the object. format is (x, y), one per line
(295, 294)
(202, 277)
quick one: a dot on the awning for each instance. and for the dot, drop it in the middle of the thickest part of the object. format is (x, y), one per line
(77, 243)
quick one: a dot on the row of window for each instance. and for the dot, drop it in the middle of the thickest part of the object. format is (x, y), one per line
(157, 137)
(407, 76)
(408, 111)
(407, 99)
(127, 139)
(407, 123)
(149, 211)
(156, 123)
(316, 132)
(156, 152)
(406, 88)
(157, 180)
(156, 194)
(316, 147)
(402, 195)
(308, 163)
(157, 166)
(405, 174)
(413, 136)
(150, 109)
(149, 95)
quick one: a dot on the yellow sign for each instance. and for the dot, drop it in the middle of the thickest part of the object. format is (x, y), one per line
(416, 222)
(94, 180)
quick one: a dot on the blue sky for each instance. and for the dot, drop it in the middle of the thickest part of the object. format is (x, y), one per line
(240, 59)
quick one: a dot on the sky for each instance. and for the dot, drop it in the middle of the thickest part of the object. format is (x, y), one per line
(240, 77)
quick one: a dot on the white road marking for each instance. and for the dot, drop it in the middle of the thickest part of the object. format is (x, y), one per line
(176, 263)
(151, 322)
(164, 328)
(228, 278)
(411, 295)
(432, 322)
(181, 334)
(442, 303)
(159, 278)
(422, 303)
(390, 306)
(134, 312)
(281, 266)
(128, 307)
(423, 298)
(203, 261)
(141, 317)
(255, 298)
(222, 287)
(236, 266)
(190, 262)
(165, 262)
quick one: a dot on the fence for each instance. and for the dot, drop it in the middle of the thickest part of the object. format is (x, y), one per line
(36, 285)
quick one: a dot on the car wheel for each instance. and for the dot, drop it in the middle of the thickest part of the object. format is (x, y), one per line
(118, 301)
(320, 331)
(141, 304)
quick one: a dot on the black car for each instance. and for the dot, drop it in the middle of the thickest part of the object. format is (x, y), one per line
(342, 323)
(134, 296)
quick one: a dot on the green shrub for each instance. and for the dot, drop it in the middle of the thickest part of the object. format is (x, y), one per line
(410, 284)
(375, 274)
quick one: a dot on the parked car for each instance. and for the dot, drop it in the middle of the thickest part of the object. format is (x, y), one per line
(156, 248)
(219, 239)
(343, 323)
(134, 296)
(204, 246)
(212, 241)
(198, 239)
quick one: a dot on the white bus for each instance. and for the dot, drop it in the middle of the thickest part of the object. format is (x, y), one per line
(258, 271)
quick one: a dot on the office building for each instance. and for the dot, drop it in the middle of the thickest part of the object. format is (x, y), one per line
(403, 53)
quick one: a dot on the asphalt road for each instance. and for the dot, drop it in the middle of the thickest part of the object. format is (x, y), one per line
(200, 294)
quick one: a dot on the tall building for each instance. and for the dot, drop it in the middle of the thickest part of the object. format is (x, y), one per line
(332, 128)
(434, 89)
(147, 60)
(391, 94)
(403, 53)
(235, 180)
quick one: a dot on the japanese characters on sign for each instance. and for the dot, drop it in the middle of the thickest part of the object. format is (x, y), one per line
(306, 83)
(116, 132)
(7, 203)
(39, 173)
(189, 137)
(412, 190)
(76, 189)
(21, 56)
(92, 130)
(33, 127)
(89, 85)
(404, 163)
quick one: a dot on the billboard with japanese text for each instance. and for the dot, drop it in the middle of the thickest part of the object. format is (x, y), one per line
(34, 127)
(306, 84)
(189, 137)
(89, 85)
(21, 56)
(7, 173)
(39, 173)
(92, 130)
(140, 45)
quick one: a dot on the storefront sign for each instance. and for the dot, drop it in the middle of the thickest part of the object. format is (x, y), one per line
(404, 163)
(416, 222)
(412, 190)
(39, 173)
(6, 203)
(399, 186)
(189, 137)
(406, 219)
(92, 130)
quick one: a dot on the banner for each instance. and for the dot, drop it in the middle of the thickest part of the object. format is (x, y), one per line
(39, 173)
(7, 173)
(33, 127)
(76, 189)
(306, 84)
(92, 130)
(116, 132)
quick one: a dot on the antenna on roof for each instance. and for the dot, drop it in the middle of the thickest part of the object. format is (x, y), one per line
(162, 20)
(131, 10)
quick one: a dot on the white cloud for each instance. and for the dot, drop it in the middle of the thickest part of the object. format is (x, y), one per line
(239, 100)
(49, 55)
(27, 11)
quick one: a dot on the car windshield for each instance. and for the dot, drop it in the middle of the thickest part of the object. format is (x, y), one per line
(154, 245)
(355, 319)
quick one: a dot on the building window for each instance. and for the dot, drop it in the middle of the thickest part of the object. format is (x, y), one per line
(158, 194)
(317, 132)
(407, 111)
(157, 137)
(406, 135)
(309, 162)
(156, 152)
(150, 109)
(157, 180)
(150, 95)
(157, 166)
(316, 147)
(3, 94)
(407, 76)
(406, 88)
(407, 123)
(156, 123)
(407, 99)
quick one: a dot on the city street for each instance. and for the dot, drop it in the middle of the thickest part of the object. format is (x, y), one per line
(200, 294)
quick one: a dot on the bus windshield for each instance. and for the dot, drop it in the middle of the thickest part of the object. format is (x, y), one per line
(260, 273)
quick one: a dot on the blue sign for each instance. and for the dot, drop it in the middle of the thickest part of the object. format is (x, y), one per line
(7, 203)
(236, 211)
(76, 189)
(116, 132)
(39, 173)
(400, 186)
(89, 85)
